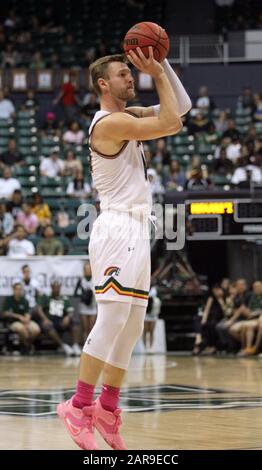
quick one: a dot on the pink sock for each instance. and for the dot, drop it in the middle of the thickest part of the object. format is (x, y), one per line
(84, 395)
(109, 397)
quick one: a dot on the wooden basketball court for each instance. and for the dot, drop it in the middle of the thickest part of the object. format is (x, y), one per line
(170, 402)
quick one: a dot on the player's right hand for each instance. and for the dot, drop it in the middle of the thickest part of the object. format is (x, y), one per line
(150, 65)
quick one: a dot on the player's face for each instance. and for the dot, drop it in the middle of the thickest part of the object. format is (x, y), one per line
(121, 82)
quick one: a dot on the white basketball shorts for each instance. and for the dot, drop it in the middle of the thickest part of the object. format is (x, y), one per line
(120, 260)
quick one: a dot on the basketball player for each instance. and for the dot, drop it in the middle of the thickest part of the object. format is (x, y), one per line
(120, 264)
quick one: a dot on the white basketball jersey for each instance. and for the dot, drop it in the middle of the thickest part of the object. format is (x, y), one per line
(121, 179)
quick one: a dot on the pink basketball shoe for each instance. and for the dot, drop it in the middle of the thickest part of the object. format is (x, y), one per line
(79, 423)
(107, 423)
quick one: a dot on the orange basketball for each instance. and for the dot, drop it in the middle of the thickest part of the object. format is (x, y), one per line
(147, 34)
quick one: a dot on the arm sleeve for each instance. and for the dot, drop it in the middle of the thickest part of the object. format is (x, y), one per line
(183, 100)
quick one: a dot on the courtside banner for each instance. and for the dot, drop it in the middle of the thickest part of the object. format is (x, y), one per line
(66, 269)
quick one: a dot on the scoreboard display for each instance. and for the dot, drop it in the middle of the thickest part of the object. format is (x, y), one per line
(224, 219)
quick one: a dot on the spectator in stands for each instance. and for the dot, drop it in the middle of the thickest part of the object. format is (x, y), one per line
(161, 154)
(52, 166)
(16, 313)
(214, 312)
(78, 188)
(197, 181)
(246, 99)
(258, 107)
(71, 164)
(69, 98)
(157, 189)
(15, 204)
(231, 131)
(8, 184)
(225, 340)
(37, 62)
(10, 57)
(50, 126)
(7, 109)
(56, 314)
(27, 218)
(18, 245)
(90, 106)
(6, 221)
(74, 135)
(87, 308)
(175, 177)
(222, 165)
(30, 103)
(246, 174)
(12, 157)
(233, 150)
(221, 122)
(41, 210)
(152, 314)
(50, 245)
(199, 123)
(211, 137)
(204, 102)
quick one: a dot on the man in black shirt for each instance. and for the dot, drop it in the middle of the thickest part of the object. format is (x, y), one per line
(16, 313)
(12, 156)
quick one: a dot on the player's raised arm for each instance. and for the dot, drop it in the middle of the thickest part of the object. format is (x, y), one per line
(126, 127)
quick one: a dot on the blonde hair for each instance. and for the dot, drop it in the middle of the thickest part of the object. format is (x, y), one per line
(98, 69)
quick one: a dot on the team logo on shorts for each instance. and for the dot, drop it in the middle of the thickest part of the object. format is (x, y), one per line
(112, 270)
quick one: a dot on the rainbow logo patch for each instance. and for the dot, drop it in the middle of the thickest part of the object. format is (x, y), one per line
(112, 270)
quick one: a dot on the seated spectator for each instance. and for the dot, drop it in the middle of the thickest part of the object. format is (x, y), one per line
(50, 245)
(10, 56)
(16, 312)
(175, 177)
(31, 288)
(71, 163)
(161, 154)
(204, 102)
(246, 99)
(19, 246)
(231, 131)
(78, 187)
(258, 107)
(8, 184)
(199, 123)
(41, 210)
(247, 313)
(7, 109)
(157, 189)
(27, 218)
(233, 150)
(90, 105)
(214, 311)
(14, 205)
(6, 221)
(30, 103)
(221, 122)
(74, 135)
(197, 181)
(50, 126)
(211, 137)
(12, 157)
(52, 166)
(222, 165)
(37, 62)
(56, 315)
(246, 173)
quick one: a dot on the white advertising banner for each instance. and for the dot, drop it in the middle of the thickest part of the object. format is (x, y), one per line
(66, 269)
